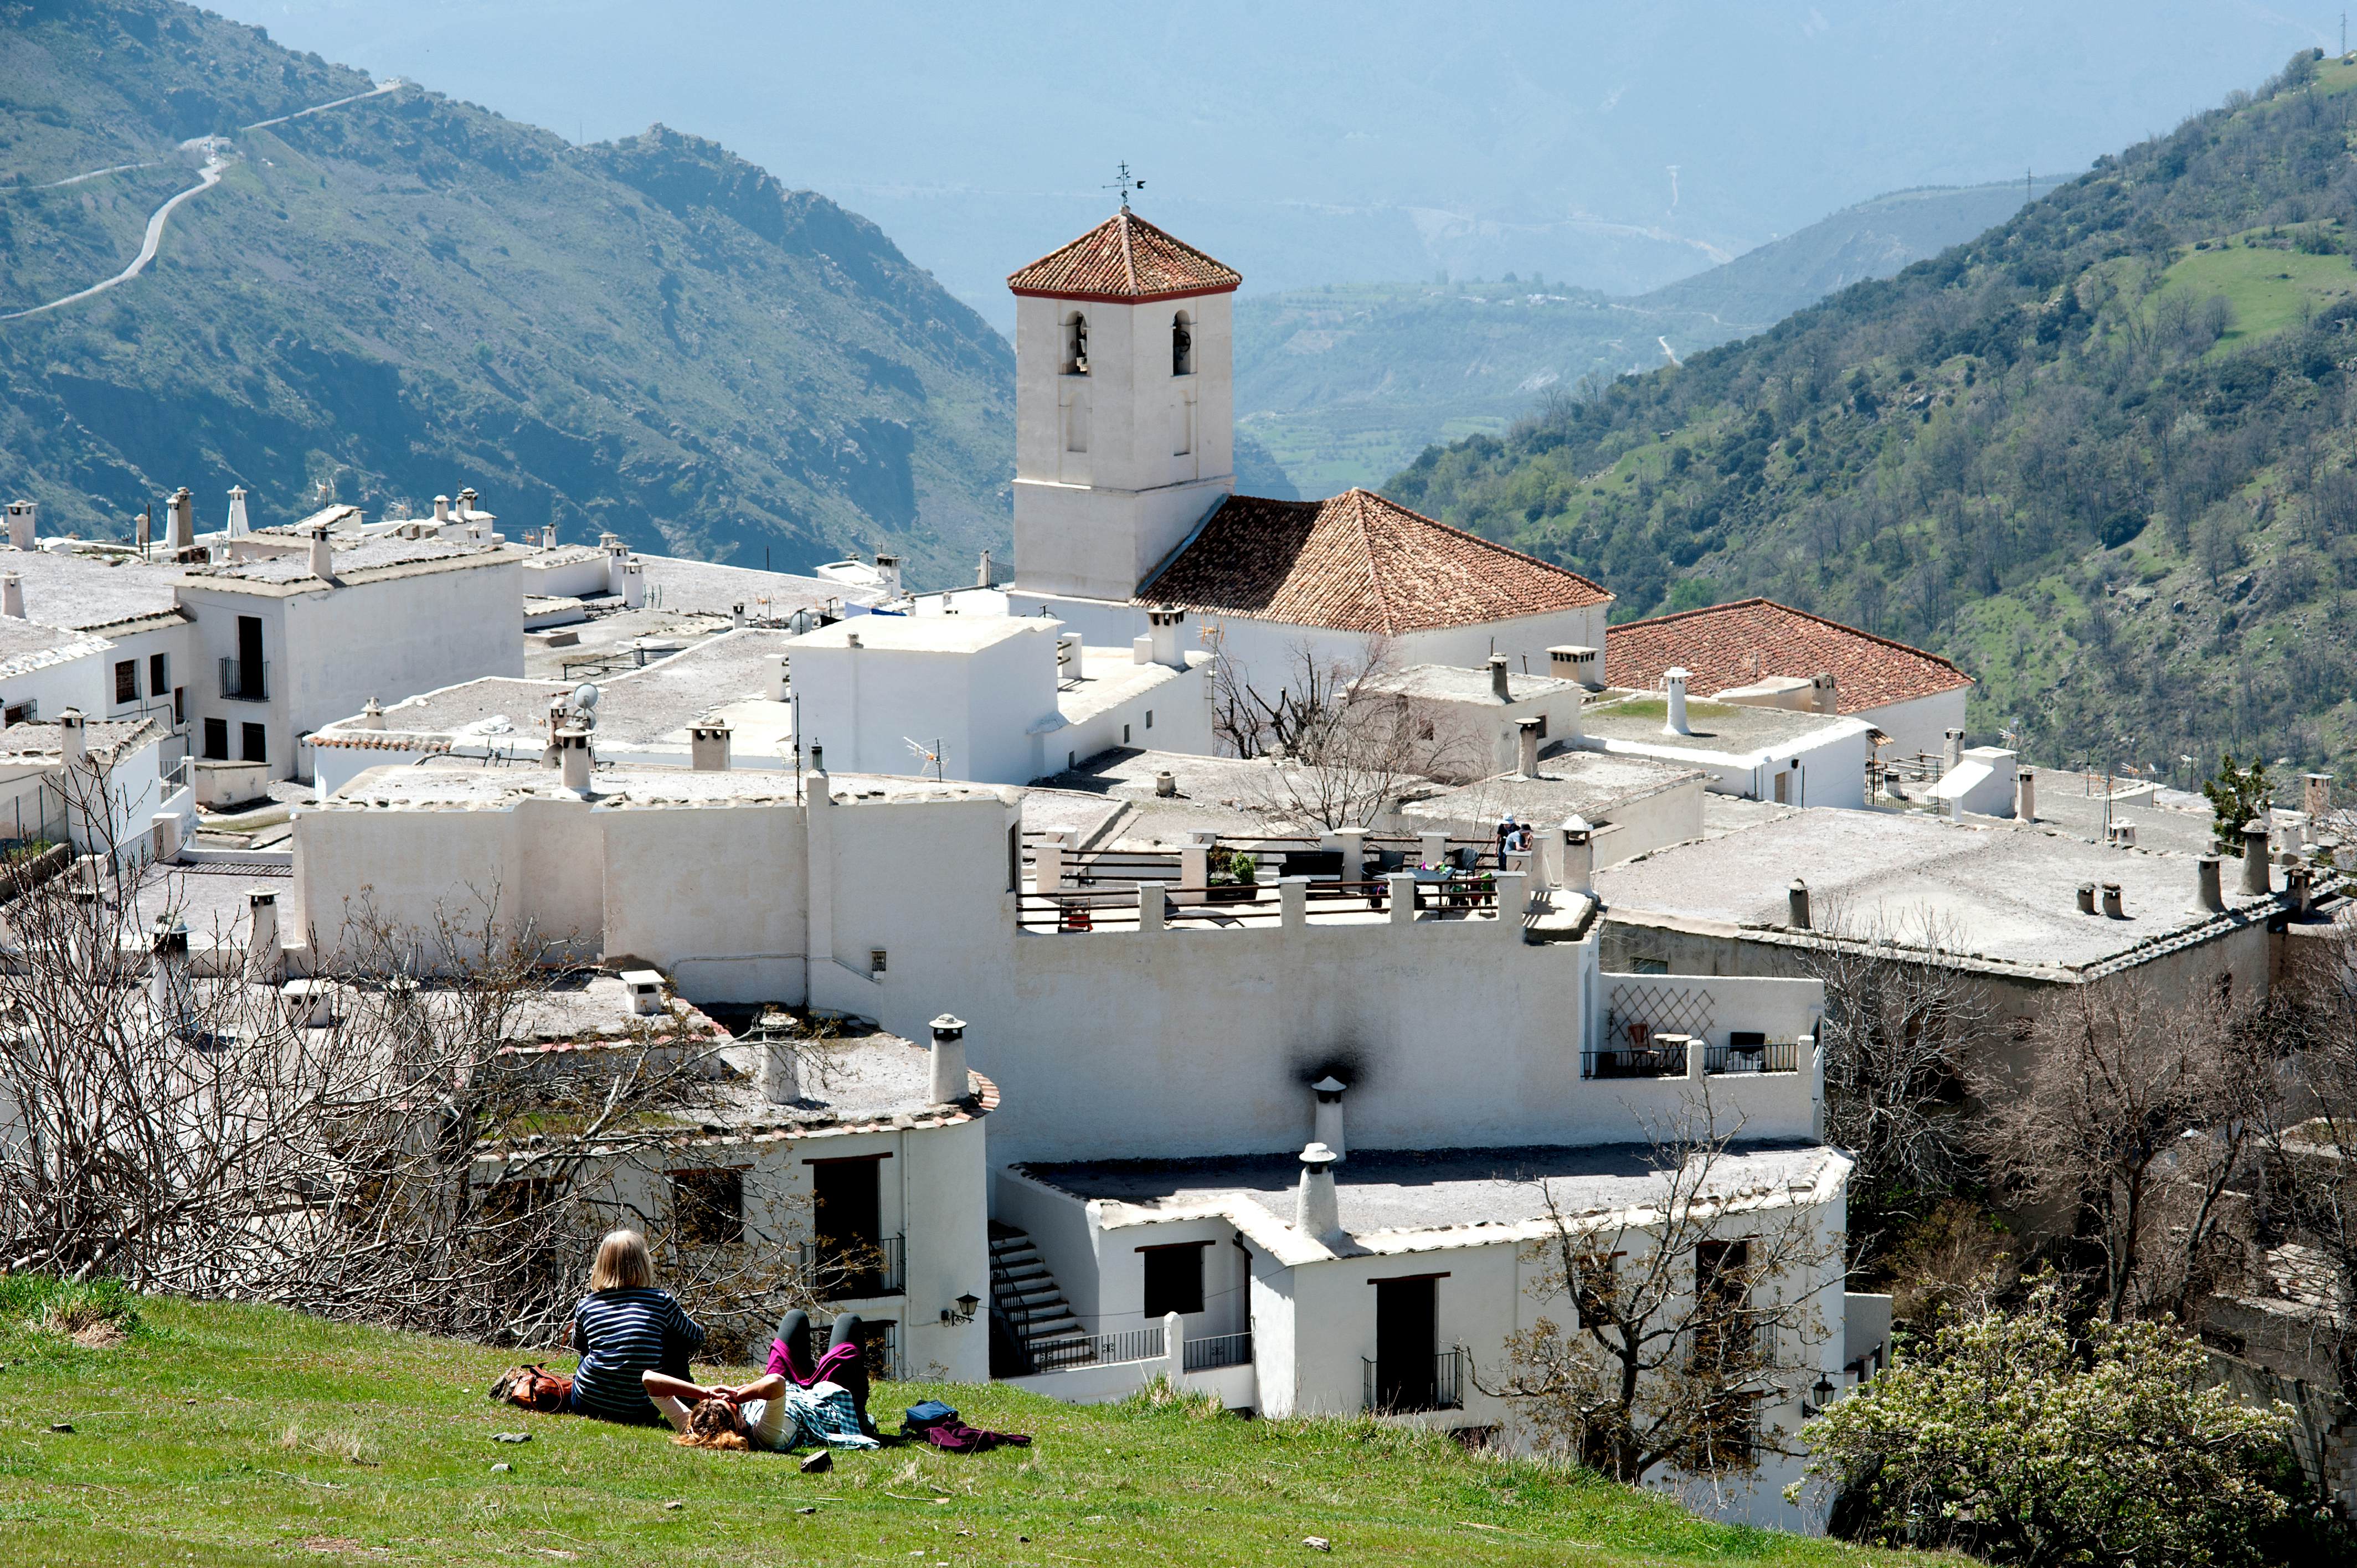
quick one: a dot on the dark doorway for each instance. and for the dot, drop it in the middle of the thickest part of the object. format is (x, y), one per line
(849, 1197)
(217, 740)
(256, 743)
(1406, 1329)
(250, 684)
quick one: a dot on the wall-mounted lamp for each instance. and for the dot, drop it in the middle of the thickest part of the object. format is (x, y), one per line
(962, 1309)
(1824, 1390)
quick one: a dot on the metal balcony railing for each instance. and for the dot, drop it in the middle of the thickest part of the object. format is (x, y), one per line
(1753, 1055)
(245, 680)
(1662, 1057)
(854, 1271)
(1218, 1350)
(1399, 1387)
(1099, 1350)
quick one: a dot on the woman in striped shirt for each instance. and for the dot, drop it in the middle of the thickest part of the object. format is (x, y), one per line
(625, 1327)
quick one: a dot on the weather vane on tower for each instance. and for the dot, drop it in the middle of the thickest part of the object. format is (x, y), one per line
(1125, 183)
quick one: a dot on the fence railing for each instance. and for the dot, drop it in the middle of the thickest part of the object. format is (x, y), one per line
(1099, 1350)
(849, 1271)
(1398, 1387)
(1753, 1055)
(1217, 1350)
(245, 680)
(1083, 909)
(1664, 1058)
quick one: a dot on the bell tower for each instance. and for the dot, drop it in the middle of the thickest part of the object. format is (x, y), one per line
(1124, 406)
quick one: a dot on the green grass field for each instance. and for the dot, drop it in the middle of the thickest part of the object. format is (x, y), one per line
(2269, 289)
(241, 1434)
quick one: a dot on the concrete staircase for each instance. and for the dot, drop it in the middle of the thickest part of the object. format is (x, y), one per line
(1025, 1297)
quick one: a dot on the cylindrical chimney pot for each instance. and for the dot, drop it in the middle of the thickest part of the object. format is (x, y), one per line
(574, 758)
(2209, 884)
(184, 520)
(441, 509)
(949, 1076)
(2087, 897)
(1499, 687)
(1328, 1119)
(780, 1080)
(981, 572)
(323, 555)
(2254, 858)
(1315, 1211)
(1673, 688)
(1797, 899)
(2025, 795)
(2113, 905)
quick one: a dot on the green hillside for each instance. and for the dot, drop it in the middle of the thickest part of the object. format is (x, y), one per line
(2101, 454)
(405, 295)
(247, 1436)
(1346, 385)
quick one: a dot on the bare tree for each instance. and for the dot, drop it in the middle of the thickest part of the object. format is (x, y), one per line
(1694, 1310)
(1901, 1023)
(1346, 747)
(409, 1159)
(2125, 1134)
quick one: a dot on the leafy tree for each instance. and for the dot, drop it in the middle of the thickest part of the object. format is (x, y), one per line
(2009, 1440)
(2237, 795)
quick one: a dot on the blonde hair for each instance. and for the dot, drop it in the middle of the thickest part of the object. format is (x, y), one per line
(714, 1423)
(622, 1262)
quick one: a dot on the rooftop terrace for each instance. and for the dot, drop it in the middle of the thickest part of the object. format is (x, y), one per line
(1732, 729)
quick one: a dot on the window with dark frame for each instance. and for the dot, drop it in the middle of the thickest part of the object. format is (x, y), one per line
(254, 744)
(707, 1206)
(217, 740)
(160, 674)
(1174, 1278)
(126, 680)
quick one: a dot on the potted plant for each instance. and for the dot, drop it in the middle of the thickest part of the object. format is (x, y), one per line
(1235, 877)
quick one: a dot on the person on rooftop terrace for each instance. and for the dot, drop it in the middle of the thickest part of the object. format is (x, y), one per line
(624, 1327)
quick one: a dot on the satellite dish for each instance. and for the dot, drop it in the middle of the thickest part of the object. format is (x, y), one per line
(585, 695)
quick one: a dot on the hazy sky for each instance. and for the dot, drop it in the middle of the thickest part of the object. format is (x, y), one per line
(1618, 146)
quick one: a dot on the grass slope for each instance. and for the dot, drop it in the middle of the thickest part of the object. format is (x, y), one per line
(2100, 455)
(236, 1434)
(407, 294)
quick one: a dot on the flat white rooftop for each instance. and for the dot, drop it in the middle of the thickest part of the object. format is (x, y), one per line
(929, 634)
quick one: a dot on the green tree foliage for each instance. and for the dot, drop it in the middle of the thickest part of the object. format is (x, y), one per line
(2100, 453)
(2007, 1439)
(2237, 795)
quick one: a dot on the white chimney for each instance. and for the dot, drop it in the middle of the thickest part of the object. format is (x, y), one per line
(21, 530)
(323, 555)
(2025, 794)
(1528, 756)
(1315, 1211)
(1952, 751)
(184, 520)
(782, 685)
(780, 1069)
(634, 584)
(168, 975)
(2113, 904)
(12, 595)
(441, 509)
(1328, 1123)
(889, 566)
(1498, 686)
(373, 715)
(1577, 661)
(265, 959)
(1578, 855)
(574, 759)
(949, 1078)
(737, 617)
(466, 503)
(1163, 626)
(708, 748)
(981, 572)
(644, 987)
(1674, 685)
(70, 753)
(548, 536)
(1826, 694)
(239, 527)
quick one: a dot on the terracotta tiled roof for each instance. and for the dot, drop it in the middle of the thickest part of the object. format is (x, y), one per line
(1357, 563)
(1751, 639)
(1125, 258)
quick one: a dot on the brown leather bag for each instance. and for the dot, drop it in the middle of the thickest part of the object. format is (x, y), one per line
(533, 1387)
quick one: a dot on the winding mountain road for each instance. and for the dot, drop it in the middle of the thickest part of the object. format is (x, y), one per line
(216, 163)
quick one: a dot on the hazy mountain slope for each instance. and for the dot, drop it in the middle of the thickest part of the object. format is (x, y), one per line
(2101, 454)
(1346, 385)
(407, 294)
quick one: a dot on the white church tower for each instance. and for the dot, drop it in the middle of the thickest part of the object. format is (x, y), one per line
(1124, 407)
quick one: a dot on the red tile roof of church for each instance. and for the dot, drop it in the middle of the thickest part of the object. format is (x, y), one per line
(1357, 563)
(1125, 258)
(1752, 640)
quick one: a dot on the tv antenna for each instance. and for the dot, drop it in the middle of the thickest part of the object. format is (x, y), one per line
(1125, 182)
